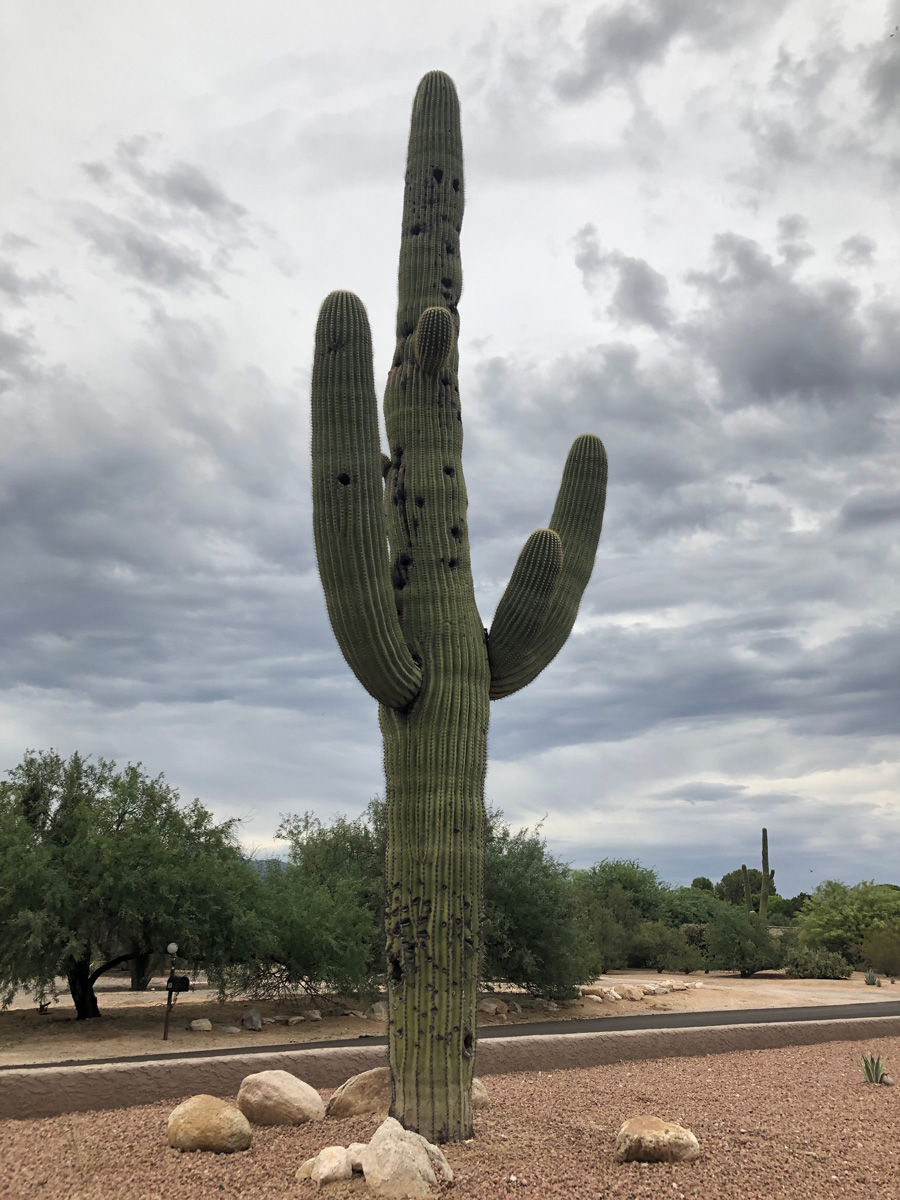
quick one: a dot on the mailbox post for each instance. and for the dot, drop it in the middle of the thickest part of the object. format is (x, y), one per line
(174, 985)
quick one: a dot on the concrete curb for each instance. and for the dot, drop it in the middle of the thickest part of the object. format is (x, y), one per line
(26, 1093)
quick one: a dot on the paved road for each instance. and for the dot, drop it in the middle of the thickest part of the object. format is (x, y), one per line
(686, 1020)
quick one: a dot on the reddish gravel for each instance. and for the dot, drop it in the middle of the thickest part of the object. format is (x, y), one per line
(793, 1123)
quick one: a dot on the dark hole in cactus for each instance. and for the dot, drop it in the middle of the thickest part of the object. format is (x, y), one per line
(446, 294)
(450, 248)
(453, 563)
(396, 969)
(456, 532)
(420, 501)
(454, 311)
(468, 1043)
(445, 282)
(405, 560)
(343, 478)
(449, 470)
(455, 185)
(416, 230)
(333, 347)
(417, 658)
(438, 174)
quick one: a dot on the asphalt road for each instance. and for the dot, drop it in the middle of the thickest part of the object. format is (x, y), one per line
(685, 1020)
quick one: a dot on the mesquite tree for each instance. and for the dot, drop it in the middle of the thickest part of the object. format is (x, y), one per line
(393, 551)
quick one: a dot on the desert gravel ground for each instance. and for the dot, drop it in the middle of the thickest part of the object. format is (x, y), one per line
(795, 1123)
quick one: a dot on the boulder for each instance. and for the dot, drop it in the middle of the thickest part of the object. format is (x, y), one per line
(489, 1007)
(231, 1029)
(279, 1098)
(252, 1020)
(328, 1166)
(295, 1020)
(377, 1011)
(612, 994)
(400, 1163)
(514, 1006)
(208, 1123)
(480, 1097)
(313, 1014)
(649, 1139)
(368, 1092)
(549, 1006)
(594, 989)
(201, 1025)
(628, 991)
(596, 999)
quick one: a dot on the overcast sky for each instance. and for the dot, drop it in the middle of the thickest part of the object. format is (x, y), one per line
(681, 234)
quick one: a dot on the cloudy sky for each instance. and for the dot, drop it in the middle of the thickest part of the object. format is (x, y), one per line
(681, 234)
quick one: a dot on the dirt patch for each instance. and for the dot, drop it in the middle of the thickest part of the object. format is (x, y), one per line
(791, 1124)
(132, 1022)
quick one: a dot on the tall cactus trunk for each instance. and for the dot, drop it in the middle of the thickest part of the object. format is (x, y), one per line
(768, 879)
(393, 550)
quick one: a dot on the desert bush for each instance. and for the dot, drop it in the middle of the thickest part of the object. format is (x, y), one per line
(802, 962)
(738, 941)
(881, 949)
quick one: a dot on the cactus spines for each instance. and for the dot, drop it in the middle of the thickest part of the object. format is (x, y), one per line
(393, 551)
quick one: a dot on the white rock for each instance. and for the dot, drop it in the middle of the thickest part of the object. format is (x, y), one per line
(628, 991)
(596, 999)
(612, 994)
(208, 1123)
(313, 1014)
(480, 1097)
(295, 1020)
(201, 1025)
(331, 1164)
(647, 1139)
(488, 1007)
(377, 1011)
(231, 1029)
(279, 1098)
(400, 1163)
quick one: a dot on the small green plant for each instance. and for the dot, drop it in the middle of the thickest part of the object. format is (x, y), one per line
(872, 1068)
(870, 977)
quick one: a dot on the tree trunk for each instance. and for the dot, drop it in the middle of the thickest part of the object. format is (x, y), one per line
(81, 986)
(141, 971)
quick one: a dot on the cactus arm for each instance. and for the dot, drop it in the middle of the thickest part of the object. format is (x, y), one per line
(348, 513)
(525, 605)
(577, 519)
(748, 899)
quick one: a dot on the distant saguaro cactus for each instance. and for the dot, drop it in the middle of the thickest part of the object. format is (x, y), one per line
(393, 550)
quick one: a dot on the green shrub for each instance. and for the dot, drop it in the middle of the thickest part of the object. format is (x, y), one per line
(738, 941)
(881, 949)
(803, 963)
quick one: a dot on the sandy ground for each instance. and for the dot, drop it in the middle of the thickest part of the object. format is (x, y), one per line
(132, 1022)
(791, 1124)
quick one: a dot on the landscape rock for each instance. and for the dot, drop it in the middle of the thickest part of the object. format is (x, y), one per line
(279, 1098)
(887, 1080)
(328, 1166)
(514, 1006)
(368, 1092)
(252, 1020)
(377, 1011)
(649, 1139)
(400, 1163)
(295, 1020)
(549, 1006)
(594, 989)
(596, 999)
(231, 1029)
(208, 1123)
(628, 991)
(268, 1020)
(313, 1015)
(201, 1025)
(489, 1007)
(480, 1098)
(612, 994)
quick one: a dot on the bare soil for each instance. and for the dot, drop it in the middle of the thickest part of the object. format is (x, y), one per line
(789, 1124)
(131, 1023)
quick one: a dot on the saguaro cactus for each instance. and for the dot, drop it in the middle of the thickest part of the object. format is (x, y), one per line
(393, 550)
(768, 879)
